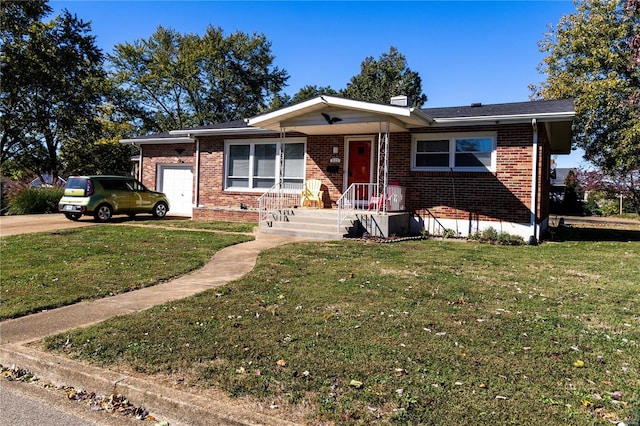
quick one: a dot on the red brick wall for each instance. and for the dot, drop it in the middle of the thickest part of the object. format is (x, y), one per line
(504, 195)
(154, 155)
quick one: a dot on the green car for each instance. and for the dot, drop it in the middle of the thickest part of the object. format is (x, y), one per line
(104, 196)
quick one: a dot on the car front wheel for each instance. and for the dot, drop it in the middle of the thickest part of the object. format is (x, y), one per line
(73, 216)
(160, 210)
(103, 213)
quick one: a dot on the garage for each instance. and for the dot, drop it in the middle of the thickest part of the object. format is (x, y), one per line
(176, 181)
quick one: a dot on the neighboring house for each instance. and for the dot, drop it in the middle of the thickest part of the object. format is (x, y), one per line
(558, 184)
(456, 168)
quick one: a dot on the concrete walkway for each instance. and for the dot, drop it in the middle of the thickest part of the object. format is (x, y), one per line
(178, 406)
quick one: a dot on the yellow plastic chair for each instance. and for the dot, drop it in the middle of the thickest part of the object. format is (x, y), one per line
(312, 193)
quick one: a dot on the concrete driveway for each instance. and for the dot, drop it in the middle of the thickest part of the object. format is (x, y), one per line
(29, 223)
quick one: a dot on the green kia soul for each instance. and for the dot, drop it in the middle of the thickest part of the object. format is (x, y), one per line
(104, 196)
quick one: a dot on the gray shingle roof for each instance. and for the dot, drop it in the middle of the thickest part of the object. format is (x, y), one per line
(506, 109)
(490, 110)
(236, 124)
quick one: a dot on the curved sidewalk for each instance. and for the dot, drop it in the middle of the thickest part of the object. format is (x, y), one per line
(228, 264)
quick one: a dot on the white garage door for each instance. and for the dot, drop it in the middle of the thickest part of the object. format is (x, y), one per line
(177, 183)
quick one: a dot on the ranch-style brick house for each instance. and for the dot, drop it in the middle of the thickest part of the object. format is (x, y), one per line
(383, 169)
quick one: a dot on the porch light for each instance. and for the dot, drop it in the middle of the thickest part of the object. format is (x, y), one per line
(336, 149)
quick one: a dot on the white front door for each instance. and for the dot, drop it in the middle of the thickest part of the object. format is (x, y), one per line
(177, 183)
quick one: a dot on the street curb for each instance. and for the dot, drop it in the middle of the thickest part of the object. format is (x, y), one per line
(164, 402)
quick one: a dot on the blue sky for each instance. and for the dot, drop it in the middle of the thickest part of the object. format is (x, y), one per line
(465, 52)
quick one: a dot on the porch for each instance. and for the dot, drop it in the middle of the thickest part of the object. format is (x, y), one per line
(361, 209)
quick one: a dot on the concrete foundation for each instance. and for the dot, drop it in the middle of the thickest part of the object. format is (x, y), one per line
(384, 225)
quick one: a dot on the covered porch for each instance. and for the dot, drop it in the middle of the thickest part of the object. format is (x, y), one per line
(367, 197)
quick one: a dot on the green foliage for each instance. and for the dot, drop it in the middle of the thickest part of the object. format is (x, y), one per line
(381, 79)
(52, 83)
(591, 58)
(490, 235)
(602, 203)
(35, 200)
(184, 80)
(305, 93)
(449, 233)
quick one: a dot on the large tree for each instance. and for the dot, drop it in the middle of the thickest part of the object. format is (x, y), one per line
(184, 80)
(381, 79)
(52, 85)
(592, 56)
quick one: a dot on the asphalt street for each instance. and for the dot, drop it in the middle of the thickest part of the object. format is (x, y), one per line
(24, 404)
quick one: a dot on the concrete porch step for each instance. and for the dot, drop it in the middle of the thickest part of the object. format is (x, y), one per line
(309, 223)
(302, 232)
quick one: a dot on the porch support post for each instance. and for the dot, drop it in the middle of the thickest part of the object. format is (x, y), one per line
(281, 147)
(382, 175)
(533, 239)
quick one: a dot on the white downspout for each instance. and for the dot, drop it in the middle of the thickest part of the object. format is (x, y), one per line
(140, 163)
(196, 200)
(533, 239)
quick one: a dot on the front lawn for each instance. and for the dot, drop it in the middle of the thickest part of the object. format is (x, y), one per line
(211, 225)
(422, 332)
(49, 270)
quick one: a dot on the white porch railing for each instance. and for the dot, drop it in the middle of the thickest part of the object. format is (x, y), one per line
(277, 199)
(358, 198)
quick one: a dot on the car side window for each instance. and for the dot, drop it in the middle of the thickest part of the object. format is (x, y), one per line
(115, 184)
(136, 186)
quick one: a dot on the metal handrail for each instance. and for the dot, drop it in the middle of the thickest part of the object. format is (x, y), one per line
(356, 198)
(277, 199)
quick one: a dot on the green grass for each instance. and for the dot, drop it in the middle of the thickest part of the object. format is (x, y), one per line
(48, 270)
(242, 227)
(437, 332)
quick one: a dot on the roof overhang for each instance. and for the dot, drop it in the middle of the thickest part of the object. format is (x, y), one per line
(156, 140)
(504, 119)
(557, 124)
(560, 136)
(192, 133)
(328, 115)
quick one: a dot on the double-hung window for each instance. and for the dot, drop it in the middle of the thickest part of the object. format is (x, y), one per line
(254, 165)
(460, 151)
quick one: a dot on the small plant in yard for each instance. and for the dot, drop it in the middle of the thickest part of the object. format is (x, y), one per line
(490, 235)
(421, 332)
(449, 233)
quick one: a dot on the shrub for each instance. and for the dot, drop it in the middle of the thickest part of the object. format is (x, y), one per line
(490, 235)
(449, 233)
(35, 200)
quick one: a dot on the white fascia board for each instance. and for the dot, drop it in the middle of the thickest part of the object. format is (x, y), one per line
(279, 115)
(227, 131)
(320, 102)
(495, 119)
(155, 141)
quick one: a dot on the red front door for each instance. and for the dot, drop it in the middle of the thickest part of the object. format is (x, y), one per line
(359, 170)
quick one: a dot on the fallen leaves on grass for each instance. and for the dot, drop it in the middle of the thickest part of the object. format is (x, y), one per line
(356, 384)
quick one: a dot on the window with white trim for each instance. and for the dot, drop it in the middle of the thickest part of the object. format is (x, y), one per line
(254, 164)
(459, 151)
